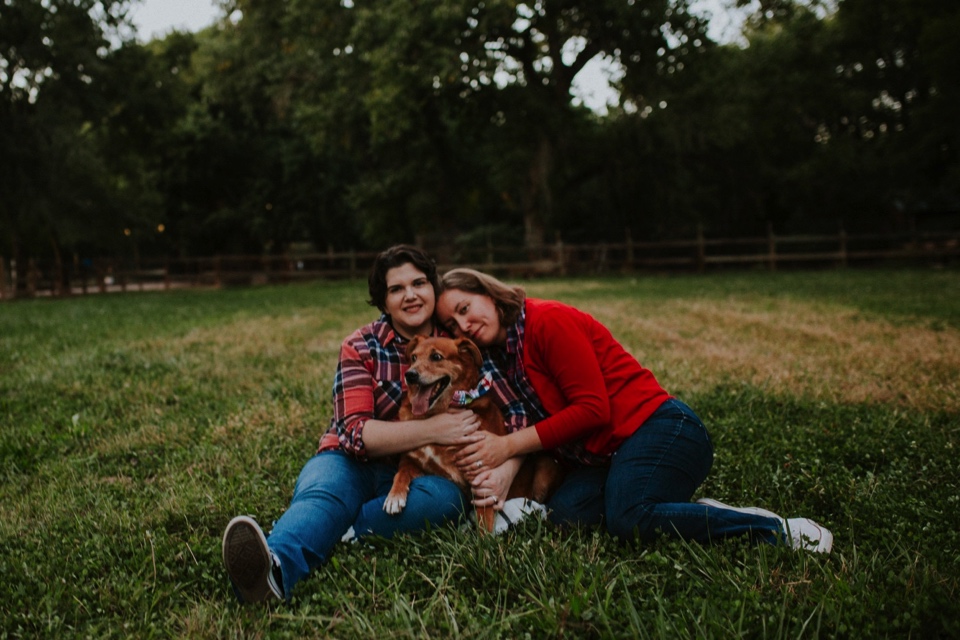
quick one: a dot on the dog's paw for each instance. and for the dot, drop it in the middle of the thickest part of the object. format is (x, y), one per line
(394, 504)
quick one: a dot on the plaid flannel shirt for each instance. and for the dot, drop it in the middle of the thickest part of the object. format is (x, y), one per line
(369, 384)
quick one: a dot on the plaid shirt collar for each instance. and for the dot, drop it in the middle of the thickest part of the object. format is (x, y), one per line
(515, 370)
(384, 331)
(515, 335)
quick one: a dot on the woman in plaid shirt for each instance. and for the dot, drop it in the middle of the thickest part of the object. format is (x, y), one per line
(344, 485)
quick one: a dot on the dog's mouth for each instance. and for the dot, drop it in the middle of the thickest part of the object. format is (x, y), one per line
(424, 396)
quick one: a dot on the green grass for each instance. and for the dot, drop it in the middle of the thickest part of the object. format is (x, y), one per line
(132, 427)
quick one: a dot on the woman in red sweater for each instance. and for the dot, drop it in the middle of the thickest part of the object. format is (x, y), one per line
(636, 455)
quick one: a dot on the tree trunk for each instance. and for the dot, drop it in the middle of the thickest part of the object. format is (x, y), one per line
(538, 199)
(60, 280)
(19, 267)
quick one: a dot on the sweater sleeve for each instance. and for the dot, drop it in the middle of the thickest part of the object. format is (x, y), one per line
(564, 368)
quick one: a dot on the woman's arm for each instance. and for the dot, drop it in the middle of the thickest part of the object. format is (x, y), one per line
(563, 364)
(383, 438)
(353, 399)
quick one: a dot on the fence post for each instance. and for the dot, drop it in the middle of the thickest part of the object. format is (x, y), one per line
(78, 273)
(56, 287)
(701, 250)
(217, 282)
(772, 246)
(3, 278)
(602, 257)
(843, 246)
(31, 278)
(560, 256)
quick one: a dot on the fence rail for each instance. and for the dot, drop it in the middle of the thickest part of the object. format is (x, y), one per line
(695, 255)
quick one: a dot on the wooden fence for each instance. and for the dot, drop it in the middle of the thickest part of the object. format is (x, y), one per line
(699, 254)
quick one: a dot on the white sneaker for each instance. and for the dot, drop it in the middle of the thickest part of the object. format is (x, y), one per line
(252, 567)
(802, 533)
(806, 534)
(514, 510)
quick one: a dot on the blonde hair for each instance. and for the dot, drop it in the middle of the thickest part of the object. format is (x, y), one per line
(508, 299)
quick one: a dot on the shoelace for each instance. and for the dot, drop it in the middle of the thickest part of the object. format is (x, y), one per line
(464, 398)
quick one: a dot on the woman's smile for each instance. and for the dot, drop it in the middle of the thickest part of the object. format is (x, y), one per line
(410, 300)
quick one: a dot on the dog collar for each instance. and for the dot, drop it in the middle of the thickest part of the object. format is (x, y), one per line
(464, 398)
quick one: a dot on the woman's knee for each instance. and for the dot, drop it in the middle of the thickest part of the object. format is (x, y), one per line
(332, 477)
(563, 511)
(580, 499)
(436, 498)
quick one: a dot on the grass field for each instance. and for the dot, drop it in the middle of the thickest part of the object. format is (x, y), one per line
(133, 427)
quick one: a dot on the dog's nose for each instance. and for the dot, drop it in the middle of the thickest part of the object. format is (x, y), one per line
(412, 376)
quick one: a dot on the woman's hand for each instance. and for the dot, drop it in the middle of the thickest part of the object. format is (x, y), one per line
(490, 487)
(488, 452)
(456, 427)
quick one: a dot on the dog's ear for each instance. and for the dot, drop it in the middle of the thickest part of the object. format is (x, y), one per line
(414, 341)
(465, 345)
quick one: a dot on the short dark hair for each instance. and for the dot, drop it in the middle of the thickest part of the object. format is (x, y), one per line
(396, 256)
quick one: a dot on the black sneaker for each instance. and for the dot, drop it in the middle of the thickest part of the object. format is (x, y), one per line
(253, 569)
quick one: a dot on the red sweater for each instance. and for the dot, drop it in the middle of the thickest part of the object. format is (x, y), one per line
(588, 383)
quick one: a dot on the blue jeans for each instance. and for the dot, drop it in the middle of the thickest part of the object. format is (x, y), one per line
(334, 492)
(647, 488)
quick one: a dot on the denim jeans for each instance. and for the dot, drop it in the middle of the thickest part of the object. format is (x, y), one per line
(647, 488)
(334, 492)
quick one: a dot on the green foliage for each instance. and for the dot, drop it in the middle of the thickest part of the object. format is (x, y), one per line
(452, 114)
(134, 426)
(54, 65)
(359, 124)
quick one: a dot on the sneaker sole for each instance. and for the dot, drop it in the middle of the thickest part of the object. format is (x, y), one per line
(247, 559)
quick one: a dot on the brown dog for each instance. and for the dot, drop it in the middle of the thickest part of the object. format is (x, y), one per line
(438, 367)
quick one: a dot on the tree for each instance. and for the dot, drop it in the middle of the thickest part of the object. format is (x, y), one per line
(527, 55)
(53, 63)
(447, 113)
(899, 59)
(830, 114)
(241, 176)
(370, 98)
